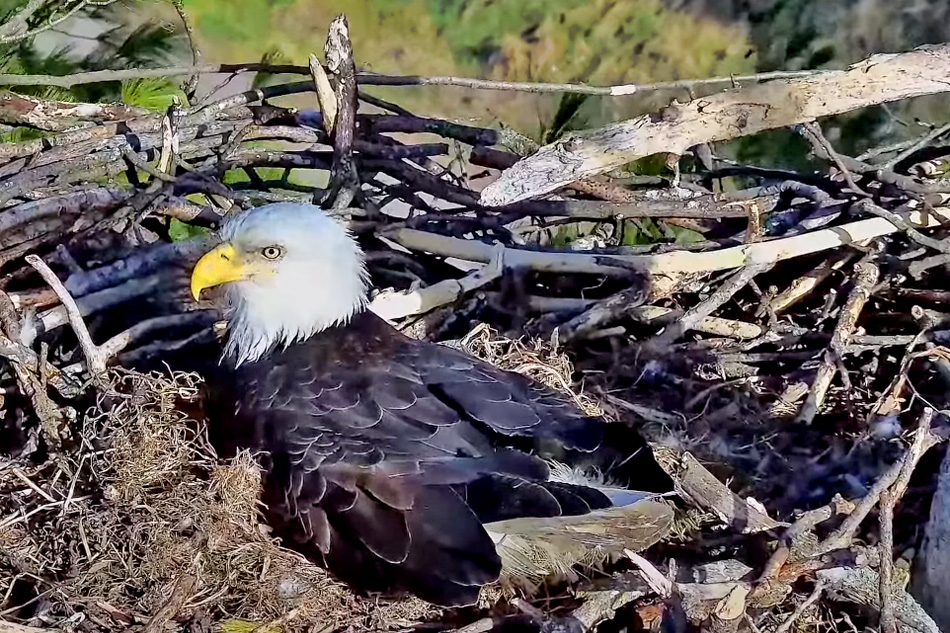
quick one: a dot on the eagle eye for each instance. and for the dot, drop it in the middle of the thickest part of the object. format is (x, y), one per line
(271, 252)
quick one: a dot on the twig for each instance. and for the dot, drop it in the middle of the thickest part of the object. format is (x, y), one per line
(657, 581)
(888, 622)
(20, 517)
(16, 27)
(192, 84)
(96, 364)
(869, 207)
(23, 358)
(889, 499)
(604, 312)
(710, 325)
(397, 305)
(118, 343)
(22, 477)
(382, 104)
(698, 484)
(889, 401)
(812, 132)
(792, 540)
(71, 491)
(919, 144)
(374, 79)
(802, 286)
(182, 591)
(901, 471)
(154, 172)
(79, 6)
(705, 308)
(790, 621)
(866, 278)
(171, 144)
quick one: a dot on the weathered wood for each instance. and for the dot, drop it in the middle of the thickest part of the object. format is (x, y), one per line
(674, 261)
(12, 627)
(58, 116)
(932, 576)
(866, 277)
(727, 115)
(694, 480)
(860, 586)
(344, 180)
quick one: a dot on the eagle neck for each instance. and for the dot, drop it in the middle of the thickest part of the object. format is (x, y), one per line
(257, 329)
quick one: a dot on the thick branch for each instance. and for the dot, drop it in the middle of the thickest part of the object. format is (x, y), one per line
(344, 181)
(58, 116)
(741, 112)
(672, 262)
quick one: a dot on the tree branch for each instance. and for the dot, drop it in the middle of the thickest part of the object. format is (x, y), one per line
(96, 363)
(724, 116)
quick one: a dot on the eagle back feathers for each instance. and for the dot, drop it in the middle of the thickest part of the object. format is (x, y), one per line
(386, 456)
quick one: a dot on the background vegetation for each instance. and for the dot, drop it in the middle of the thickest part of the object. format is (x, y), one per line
(596, 41)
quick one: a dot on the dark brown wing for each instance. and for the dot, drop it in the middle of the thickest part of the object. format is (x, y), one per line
(386, 455)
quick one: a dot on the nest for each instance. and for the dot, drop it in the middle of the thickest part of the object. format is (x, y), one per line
(143, 507)
(785, 344)
(539, 360)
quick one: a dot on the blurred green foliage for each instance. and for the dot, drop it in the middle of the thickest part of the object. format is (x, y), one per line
(596, 41)
(117, 46)
(593, 41)
(180, 231)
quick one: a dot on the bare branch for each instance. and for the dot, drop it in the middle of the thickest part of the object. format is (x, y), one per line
(59, 116)
(727, 115)
(790, 621)
(866, 278)
(96, 363)
(901, 471)
(192, 83)
(325, 96)
(344, 180)
(374, 79)
(705, 308)
(673, 262)
(53, 23)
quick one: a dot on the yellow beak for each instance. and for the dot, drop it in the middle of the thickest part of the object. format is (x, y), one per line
(216, 267)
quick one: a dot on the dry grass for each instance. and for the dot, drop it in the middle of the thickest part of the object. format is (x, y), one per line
(537, 359)
(148, 504)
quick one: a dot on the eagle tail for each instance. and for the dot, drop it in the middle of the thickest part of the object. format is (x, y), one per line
(532, 549)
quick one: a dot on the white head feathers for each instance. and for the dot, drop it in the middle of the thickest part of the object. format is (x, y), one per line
(318, 280)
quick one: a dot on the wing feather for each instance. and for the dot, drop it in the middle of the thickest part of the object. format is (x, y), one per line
(388, 455)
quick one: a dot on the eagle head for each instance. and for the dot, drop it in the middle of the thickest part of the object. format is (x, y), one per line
(290, 271)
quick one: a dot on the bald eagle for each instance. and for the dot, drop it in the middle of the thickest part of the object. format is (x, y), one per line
(402, 466)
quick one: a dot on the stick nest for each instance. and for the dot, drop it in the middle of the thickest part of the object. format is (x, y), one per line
(143, 503)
